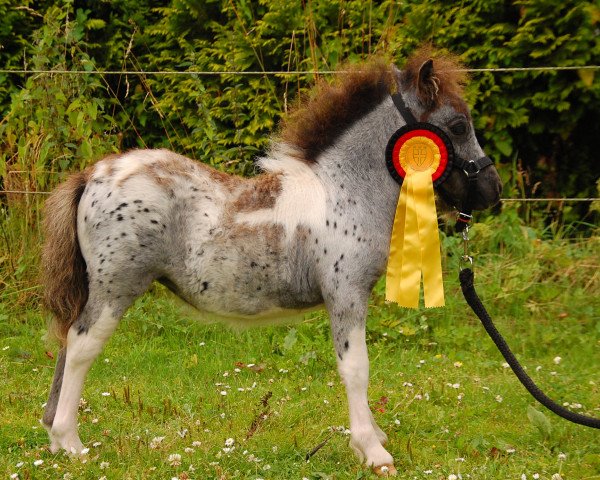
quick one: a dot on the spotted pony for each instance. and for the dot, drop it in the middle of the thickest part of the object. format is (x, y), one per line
(313, 230)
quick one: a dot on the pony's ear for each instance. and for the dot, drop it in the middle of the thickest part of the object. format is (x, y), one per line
(427, 83)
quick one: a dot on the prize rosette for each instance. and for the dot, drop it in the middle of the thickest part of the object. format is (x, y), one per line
(418, 157)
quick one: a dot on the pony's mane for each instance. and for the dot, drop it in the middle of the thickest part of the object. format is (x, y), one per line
(331, 108)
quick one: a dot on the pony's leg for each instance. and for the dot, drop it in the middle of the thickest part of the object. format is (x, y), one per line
(50, 410)
(348, 328)
(85, 341)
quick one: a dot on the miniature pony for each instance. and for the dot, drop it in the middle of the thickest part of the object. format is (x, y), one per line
(312, 230)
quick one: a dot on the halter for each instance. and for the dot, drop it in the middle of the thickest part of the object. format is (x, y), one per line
(448, 160)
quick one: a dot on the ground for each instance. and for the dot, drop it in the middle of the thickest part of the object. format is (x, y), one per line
(171, 397)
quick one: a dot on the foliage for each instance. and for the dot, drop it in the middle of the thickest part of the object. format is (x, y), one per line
(541, 127)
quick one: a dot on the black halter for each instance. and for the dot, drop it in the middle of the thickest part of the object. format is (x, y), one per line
(470, 168)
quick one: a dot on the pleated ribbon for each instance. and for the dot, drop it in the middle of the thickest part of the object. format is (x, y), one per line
(415, 244)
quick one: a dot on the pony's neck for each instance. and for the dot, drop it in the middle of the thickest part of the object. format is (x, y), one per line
(354, 173)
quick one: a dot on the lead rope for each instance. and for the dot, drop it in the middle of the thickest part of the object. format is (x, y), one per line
(466, 284)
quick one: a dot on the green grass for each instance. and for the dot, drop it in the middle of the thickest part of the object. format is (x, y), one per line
(438, 386)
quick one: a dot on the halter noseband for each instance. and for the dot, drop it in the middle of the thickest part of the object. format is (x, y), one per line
(470, 168)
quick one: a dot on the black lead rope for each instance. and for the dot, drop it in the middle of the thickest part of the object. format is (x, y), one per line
(466, 284)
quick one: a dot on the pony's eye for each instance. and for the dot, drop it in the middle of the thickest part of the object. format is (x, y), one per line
(458, 128)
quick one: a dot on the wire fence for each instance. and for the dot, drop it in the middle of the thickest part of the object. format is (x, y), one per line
(278, 72)
(533, 200)
(296, 72)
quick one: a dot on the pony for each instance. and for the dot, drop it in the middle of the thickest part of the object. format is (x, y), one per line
(311, 231)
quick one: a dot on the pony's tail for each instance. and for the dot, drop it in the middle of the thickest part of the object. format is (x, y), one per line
(63, 267)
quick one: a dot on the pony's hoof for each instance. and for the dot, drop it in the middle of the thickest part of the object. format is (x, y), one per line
(385, 470)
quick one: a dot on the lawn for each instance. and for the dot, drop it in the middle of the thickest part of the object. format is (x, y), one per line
(171, 397)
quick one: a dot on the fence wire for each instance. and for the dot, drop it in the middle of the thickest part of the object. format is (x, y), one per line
(278, 72)
(533, 200)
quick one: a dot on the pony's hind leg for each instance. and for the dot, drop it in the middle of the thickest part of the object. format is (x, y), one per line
(51, 404)
(85, 341)
(348, 328)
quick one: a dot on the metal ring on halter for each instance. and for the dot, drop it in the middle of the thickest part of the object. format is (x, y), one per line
(465, 261)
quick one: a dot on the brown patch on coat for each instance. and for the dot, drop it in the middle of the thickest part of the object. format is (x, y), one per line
(63, 267)
(261, 192)
(446, 85)
(318, 121)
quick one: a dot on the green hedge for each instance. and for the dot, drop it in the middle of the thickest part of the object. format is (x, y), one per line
(543, 127)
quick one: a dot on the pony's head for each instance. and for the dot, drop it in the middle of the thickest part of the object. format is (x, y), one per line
(431, 90)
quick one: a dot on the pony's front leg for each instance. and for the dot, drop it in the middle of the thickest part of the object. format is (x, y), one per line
(348, 327)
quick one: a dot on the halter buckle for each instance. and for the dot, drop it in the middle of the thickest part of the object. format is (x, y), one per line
(471, 169)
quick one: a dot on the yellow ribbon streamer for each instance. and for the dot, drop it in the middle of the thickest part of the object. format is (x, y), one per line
(415, 245)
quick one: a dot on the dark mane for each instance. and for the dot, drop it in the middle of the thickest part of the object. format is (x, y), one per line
(317, 122)
(449, 75)
(320, 119)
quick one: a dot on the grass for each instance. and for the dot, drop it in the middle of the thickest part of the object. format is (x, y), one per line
(438, 386)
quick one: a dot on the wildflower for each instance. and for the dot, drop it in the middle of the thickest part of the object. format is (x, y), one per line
(104, 465)
(330, 384)
(499, 398)
(223, 392)
(106, 360)
(37, 463)
(557, 360)
(396, 421)
(236, 370)
(85, 451)
(188, 450)
(6, 348)
(229, 442)
(183, 433)
(458, 364)
(536, 476)
(452, 477)
(510, 450)
(505, 365)
(267, 467)
(556, 476)
(94, 420)
(459, 459)
(538, 368)
(106, 394)
(174, 459)
(96, 444)
(523, 476)
(427, 472)
(202, 344)
(20, 464)
(562, 457)
(553, 373)
(14, 475)
(155, 442)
